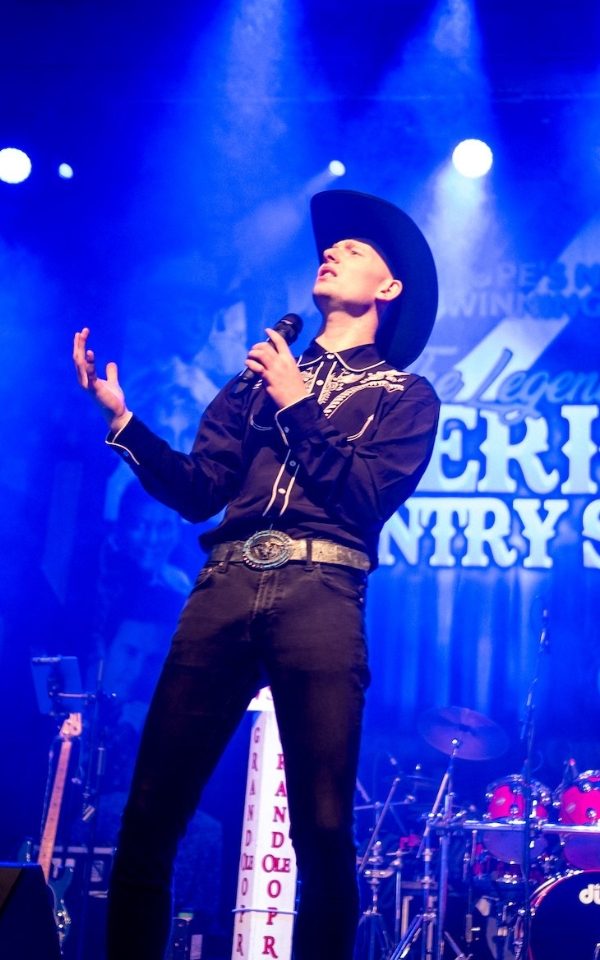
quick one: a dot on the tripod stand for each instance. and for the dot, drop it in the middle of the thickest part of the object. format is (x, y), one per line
(429, 923)
(373, 942)
(371, 932)
(457, 732)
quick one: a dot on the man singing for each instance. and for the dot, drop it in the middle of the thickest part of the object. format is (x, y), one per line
(309, 458)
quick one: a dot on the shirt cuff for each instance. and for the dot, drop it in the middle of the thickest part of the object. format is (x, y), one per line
(295, 420)
(119, 440)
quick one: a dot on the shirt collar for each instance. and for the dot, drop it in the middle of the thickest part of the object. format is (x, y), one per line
(354, 358)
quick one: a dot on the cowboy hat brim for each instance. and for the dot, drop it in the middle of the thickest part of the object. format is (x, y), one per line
(408, 321)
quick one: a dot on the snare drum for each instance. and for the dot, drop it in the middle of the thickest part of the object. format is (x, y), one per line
(565, 918)
(506, 803)
(579, 805)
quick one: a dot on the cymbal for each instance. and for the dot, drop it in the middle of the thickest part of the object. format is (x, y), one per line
(411, 805)
(474, 736)
(418, 781)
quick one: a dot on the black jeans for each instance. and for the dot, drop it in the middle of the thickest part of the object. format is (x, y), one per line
(301, 627)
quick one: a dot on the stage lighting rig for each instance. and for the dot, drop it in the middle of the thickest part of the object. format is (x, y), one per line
(472, 158)
(15, 165)
(337, 168)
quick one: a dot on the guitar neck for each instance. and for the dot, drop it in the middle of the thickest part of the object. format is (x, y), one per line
(51, 826)
(70, 728)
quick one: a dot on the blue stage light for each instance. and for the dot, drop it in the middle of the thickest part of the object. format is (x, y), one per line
(15, 165)
(472, 158)
(65, 170)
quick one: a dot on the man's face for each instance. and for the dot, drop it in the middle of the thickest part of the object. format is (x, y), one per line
(352, 277)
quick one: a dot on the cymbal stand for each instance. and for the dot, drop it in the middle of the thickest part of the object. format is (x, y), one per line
(378, 823)
(430, 922)
(398, 866)
(376, 924)
(376, 938)
(422, 924)
(447, 791)
(527, 738)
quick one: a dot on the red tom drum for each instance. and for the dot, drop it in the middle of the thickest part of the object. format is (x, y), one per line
(579, 805)
(506, 803)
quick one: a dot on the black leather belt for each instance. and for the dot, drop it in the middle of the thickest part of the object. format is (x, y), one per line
(268, 549)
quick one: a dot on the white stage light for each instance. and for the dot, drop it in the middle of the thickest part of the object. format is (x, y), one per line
(472, 158)
(15, 165)
(65, 170)
(337, 168)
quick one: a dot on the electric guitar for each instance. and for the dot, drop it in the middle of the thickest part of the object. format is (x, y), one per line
(70, 729)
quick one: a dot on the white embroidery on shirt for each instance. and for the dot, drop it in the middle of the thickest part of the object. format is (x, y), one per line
(388, 380)
(368, 421)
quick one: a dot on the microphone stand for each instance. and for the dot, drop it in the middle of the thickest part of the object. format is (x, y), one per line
(527, 739)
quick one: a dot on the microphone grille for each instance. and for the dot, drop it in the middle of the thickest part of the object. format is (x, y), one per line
(289, 327)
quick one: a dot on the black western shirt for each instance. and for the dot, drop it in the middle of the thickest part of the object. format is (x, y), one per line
(335, 464)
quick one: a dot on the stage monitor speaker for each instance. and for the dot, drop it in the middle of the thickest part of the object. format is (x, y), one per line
(27, 926)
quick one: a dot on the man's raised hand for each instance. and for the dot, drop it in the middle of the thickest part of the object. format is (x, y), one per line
(107, 393)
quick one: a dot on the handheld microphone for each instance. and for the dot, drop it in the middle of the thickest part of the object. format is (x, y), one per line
(289, 327)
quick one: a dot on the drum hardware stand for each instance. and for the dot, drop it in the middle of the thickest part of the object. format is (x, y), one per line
(467, 876)
(446, 791)
(502, 930)
(459, 955)
(398, 867)
(422, 924)
(372, 916)
(430, 922)
(377, 940)
(527, 738)
(378, 823)
(457, 732)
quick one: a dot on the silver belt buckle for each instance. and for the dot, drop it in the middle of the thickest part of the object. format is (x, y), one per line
(267, 549)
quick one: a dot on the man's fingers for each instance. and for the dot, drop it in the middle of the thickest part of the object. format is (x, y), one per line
(79, 343)
(261, 352)
(82, 358)
(79, 359)
(81, 336)
(277, 340)
(262, 355)
(255, 365)
(78, 348)
(112, 373)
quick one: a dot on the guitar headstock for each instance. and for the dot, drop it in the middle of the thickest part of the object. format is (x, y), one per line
(71, 727)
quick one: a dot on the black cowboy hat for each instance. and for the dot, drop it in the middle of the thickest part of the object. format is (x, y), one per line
(408, 320)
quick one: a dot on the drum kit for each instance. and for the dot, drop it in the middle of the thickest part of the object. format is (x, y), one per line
(519, 882)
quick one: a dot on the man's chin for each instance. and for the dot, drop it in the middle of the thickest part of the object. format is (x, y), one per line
(321, 300)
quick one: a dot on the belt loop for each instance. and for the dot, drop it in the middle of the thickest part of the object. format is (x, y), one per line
(227, 558)
(309, 555)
